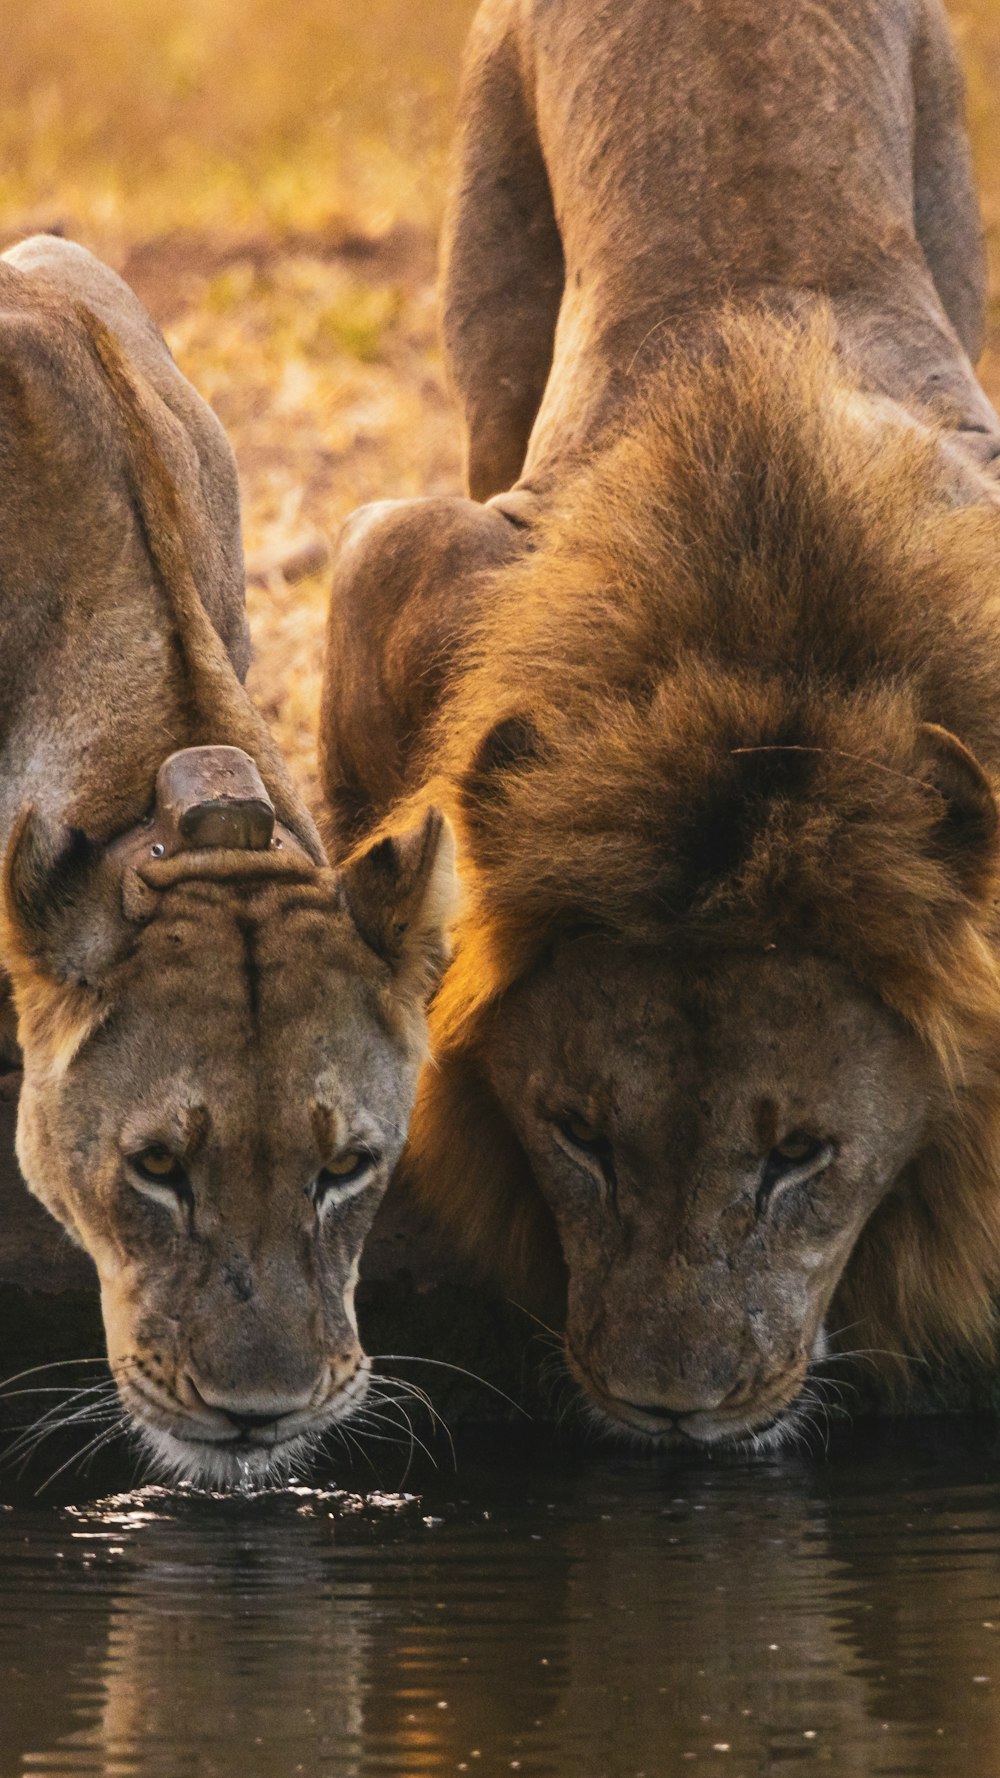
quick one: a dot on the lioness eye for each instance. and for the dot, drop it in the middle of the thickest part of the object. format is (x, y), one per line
(343, 1177)
(159, 1166)
(345, 1166)
(793, 1160)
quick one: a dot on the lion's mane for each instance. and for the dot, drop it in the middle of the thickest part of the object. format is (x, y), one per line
(688, 720)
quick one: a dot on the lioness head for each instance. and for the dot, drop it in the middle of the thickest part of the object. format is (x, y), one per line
(221, 1044)
(710, 1142)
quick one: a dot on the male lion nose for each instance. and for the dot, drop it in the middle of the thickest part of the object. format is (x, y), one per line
(676, 1403)
(655, 1409)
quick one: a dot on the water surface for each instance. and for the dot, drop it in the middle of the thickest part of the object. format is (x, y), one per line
(575, 1616)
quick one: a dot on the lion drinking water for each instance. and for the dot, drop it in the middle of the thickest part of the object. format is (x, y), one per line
(711, 693)
(220, 1035)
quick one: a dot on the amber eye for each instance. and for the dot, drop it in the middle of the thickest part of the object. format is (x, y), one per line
(581, 1134)
(343, 1176)
(588, 1142)
(798, 1157)
(797, 1146)
(346, 1165)
(159, 1166)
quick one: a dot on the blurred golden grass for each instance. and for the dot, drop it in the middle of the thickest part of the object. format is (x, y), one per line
(269, 178)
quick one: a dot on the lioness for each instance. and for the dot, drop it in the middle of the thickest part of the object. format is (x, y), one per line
(712, 694)
(220, 1035)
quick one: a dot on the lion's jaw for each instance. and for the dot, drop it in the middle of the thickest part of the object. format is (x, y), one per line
(654, 1098)
(254, 1035)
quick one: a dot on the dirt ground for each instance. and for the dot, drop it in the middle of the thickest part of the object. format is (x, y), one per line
(269, 179)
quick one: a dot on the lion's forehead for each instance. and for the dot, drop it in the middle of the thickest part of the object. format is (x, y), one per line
(256, 956)
(291, 1088)
(253, 1012)
(647, 1039)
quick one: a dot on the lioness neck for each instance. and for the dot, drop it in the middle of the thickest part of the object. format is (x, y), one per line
(121, 621)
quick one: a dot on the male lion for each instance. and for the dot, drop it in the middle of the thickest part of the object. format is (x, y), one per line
(220, 1036)
(712, 694)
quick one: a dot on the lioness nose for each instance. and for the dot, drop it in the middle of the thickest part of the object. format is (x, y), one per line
(250, 1412)
(250, 1422)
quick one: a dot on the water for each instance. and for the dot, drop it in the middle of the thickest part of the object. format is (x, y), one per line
(583, 1616)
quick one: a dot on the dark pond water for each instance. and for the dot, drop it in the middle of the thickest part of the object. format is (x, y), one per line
(586, 1616)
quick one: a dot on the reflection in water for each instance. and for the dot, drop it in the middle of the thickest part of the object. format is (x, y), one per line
(609, 1619)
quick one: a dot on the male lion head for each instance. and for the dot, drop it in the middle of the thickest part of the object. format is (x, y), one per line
(710, 1142)
(729, 1094)
(720, 1047)
(221, 1043)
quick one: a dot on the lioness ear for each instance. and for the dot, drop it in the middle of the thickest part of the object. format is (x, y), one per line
(967, 832)
(62, 907)
(401, 894)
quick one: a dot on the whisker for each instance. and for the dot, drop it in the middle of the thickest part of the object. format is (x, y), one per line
(28, 1448)
(55, 1418)
(414, 1439)
(377, 1438)
(354, 1443)
(414, 1391)
(35, 1389)
(54, 1364)
(440, 1364)
(104, 1437)
(533, 1317)
(872, 1352)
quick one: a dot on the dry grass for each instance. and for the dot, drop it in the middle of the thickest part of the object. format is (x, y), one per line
(269, 178)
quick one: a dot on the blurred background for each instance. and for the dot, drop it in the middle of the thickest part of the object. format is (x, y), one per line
(268, 175)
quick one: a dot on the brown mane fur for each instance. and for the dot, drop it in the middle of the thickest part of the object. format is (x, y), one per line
(718, 654)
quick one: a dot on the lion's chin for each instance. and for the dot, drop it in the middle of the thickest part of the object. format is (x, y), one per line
(698, 1431)
(225, 1466)
(775, 1421)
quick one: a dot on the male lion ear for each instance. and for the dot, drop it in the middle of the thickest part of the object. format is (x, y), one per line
(511, 744)
(61, 902)
(402, 894)
(967, 833)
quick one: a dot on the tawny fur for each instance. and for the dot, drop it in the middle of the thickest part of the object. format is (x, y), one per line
(718, 673)
(722, 643)
(245, 1008)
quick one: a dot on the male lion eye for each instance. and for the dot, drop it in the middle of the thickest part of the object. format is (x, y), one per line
(797, 1158)
(589, 1142)
(798, 1147)
(581, 1135)
(159, 1166)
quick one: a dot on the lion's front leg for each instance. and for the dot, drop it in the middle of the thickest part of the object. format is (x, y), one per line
(946, 206)
(502, 265)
